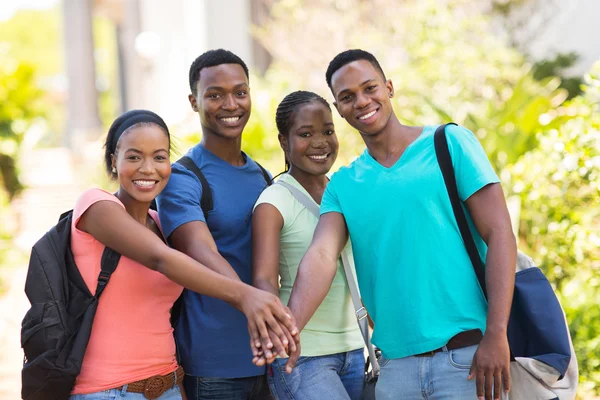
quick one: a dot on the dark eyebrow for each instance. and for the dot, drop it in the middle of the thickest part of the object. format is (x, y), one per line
(347, 90)
(140, 152)
(238, 86)
(310, 126)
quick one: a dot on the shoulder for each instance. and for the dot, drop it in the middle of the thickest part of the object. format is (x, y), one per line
(276, 195)
(457, 134)
(92, 196)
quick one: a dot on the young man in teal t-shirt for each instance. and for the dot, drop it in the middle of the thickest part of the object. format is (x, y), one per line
(438, 336)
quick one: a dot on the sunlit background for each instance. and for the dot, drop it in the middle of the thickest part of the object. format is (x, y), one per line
(522, 74)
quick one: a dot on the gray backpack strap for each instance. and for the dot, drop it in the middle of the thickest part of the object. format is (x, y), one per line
(360, 311)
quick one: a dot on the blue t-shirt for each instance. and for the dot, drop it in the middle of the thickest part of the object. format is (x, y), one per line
(413, 271)
(212, 336)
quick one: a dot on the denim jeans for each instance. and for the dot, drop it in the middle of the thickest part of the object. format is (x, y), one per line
(202, 388)
(441, 376)
(123, 394)
(332, 377)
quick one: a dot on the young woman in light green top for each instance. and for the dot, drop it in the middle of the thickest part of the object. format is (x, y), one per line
(332, 362)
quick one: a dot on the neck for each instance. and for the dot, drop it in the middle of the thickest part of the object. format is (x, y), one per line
(229, 150)
(313, 184)
(391, 140)
(137, 210)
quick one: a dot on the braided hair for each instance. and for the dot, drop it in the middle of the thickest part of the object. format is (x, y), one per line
(284, 117)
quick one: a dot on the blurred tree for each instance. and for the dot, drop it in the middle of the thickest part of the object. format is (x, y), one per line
(20, 105)
(559, 181)
(556, 67)
(444, 60)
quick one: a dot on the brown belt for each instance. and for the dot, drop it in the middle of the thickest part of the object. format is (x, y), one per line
(155, 386)
(460, 340)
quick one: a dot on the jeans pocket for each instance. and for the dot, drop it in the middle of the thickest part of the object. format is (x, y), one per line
(462, 358)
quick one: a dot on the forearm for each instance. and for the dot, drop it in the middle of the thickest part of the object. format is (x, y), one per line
(196, 277)
(500, 279)
(315, 275)
(267, 285)
(204, 254)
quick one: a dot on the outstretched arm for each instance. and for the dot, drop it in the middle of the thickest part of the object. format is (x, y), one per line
(267, 223)
(316, 271)
(195, 240)
(112, 226)
(491, 364)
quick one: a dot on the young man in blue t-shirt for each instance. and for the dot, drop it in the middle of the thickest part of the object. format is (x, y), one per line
(414, 274)
(212, 336)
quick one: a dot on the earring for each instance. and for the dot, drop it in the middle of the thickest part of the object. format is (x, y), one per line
(391, 94)
(114, 170)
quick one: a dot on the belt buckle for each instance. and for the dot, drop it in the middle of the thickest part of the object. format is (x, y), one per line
(155, 387)
(426, 354)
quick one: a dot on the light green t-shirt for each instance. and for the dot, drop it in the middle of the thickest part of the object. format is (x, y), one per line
(333, 327)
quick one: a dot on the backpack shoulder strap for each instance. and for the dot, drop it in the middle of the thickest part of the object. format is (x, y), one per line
(265, 174)
(206, 201)
(445, 162)
(110, 260)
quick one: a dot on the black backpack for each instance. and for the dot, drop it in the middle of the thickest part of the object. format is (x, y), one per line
(206, 201)
(56, 329)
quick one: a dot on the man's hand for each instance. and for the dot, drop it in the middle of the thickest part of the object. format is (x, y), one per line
(260, 358)
(291, 362)
(491, 366)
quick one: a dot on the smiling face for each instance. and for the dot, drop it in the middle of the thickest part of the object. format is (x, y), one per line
(362, 97)
(311, 145)
(222, 99)
(142, 162)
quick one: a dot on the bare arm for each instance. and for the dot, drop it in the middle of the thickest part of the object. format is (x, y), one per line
(490, 215)
(316, 271)
(267, 223)
(112, 226)
(318, 267)
(195, 240)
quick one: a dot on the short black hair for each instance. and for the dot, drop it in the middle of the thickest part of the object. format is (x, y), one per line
(286, 110)
(348, 56)
(213, 58)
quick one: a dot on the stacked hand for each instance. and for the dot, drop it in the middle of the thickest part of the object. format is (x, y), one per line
(271, 325)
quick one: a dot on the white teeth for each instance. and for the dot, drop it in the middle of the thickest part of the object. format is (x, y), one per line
(368, 115)
(321, 157)
(231, 119)
(145, 183)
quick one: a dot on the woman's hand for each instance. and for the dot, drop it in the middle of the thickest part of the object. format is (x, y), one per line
(265, 313)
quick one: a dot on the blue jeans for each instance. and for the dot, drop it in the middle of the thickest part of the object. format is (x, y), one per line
(202, 388)
(123, 394)
(332, 377)
(441, 376)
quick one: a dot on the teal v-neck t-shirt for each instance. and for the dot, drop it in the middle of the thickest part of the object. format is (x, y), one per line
(413, 271)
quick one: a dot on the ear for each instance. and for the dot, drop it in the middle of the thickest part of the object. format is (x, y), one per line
(113, 161)
(335, 104)
(390, 87)
(283, 142)
(193, 102)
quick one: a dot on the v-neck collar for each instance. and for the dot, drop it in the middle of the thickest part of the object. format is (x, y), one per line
(402, 157)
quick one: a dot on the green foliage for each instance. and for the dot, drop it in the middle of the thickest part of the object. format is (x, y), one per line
(556, 67)
(559, 184)
(20, 105)
(442, 58)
